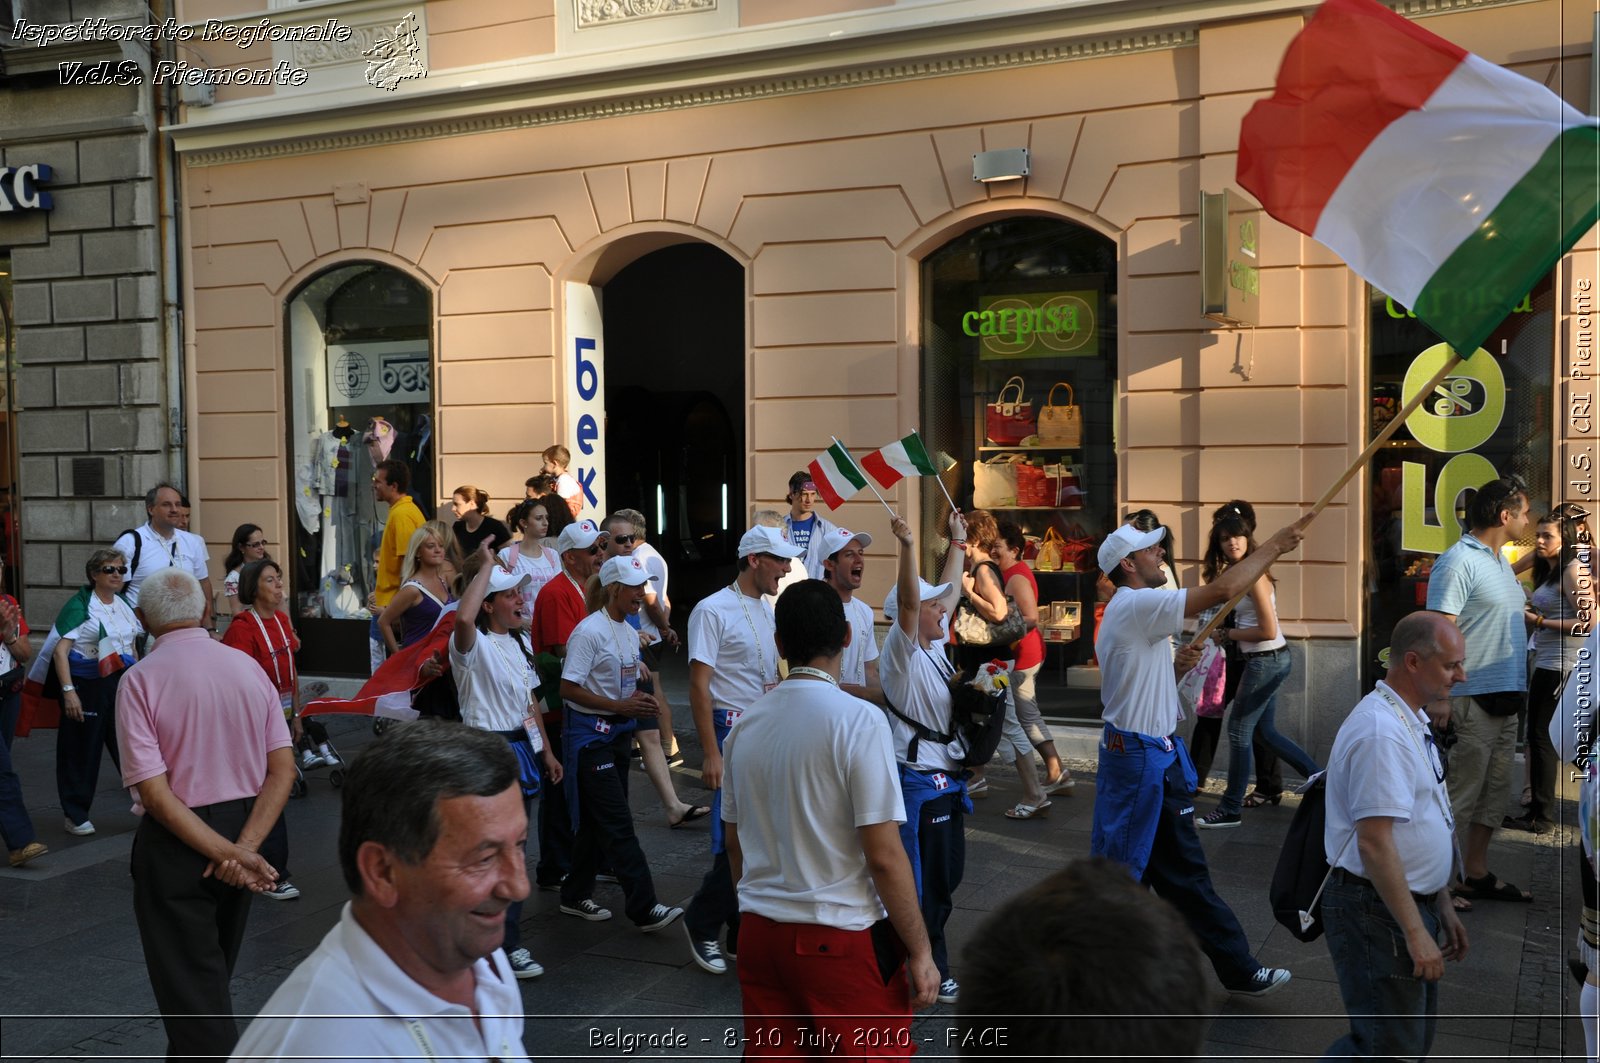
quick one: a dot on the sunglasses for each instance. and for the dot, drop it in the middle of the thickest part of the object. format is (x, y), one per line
(256, 544)
(113, 570)
(595, 549)
(623, 540)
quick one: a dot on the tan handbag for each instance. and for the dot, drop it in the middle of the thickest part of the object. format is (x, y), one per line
(1050, 552)
(1061, 426)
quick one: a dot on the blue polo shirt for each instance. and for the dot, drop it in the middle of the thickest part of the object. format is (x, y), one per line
(1475, 584)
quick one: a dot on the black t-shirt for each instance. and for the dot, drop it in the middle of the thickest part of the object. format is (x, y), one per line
(491, 529)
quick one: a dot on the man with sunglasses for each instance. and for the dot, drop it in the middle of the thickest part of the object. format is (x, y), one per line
(1390, 843)
(160, 543)
(1473, 585)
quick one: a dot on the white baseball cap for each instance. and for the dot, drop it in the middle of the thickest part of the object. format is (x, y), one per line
(764, 540)
(504, 579)
(925, 592)
(579, 536)
(1127, 540)
(838, 538)
(624, 569)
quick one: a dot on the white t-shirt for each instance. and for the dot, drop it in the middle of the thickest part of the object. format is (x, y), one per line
(602, 658)
(1137, 685)
(538, 563)
(1382, 765)
(121, 628)
(156, 553)
(350, 976)
(494, 682)
(656, 565)
(916, 683)
(863, 643)
(735, 635)
(1244, 615)
(567, 486)
(803, 769)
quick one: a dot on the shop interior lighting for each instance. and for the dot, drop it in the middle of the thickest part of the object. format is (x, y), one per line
(1002, 164)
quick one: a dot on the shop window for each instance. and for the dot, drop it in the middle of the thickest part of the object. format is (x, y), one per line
(361, 390)
(1018, 386)
(1491, 417)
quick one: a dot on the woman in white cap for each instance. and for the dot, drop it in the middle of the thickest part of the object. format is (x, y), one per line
(496, 683)
(916, 675)
(607, 690)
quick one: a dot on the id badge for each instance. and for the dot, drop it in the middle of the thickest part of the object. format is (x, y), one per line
(767, 688)
(630, 678)
(530, 724)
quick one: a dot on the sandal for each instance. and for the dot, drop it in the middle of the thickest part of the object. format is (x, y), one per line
(1490, 888)
(978, 789)
(1257, 799)
(1461, 904)
(694, 813)
(1063, 785)
(1022, 811)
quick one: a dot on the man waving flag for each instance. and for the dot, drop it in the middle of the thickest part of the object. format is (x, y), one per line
(1447, 182)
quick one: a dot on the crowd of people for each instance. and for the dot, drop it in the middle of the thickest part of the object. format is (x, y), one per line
(840, 778)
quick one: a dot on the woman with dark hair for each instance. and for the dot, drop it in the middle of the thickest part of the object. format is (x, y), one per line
(529, 555)
(1266, 666)
(497, 683)
(1023, 588)
(1232, 537)
(473, 524)
(263, 630)
(96, 638)
(249, 544)
(556, 514)
(1561, 614)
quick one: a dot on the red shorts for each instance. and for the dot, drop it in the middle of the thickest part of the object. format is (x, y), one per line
(817, 990)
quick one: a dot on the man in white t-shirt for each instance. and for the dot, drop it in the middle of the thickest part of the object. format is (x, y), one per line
(842, 568)
(803, 525)
(812, 807)
(159, 543)
(1144, 793)
(916, 674)
(431, 846)
(733, 660)
(1390, 840)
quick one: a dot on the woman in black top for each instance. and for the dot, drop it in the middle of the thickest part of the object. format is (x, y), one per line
(473, 524)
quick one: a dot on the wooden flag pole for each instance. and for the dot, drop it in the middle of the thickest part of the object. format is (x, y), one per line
(864, 476)
(1338, 485)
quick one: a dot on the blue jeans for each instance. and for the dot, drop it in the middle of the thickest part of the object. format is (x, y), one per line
(1392, 1013)
(1253, 708)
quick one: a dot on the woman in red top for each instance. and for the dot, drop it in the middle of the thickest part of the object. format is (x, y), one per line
(1024, 588)
(265, 633)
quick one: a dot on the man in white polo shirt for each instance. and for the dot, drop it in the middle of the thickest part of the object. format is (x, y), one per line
(159, 543)
(431, 843)
(1390, 842)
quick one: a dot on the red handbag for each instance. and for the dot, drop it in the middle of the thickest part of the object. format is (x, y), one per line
(1033, 487)
(1009, 422)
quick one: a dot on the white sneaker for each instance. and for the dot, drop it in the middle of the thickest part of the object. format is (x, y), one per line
(523, 965)
(309, 759)
(329, 757)
(80, 829)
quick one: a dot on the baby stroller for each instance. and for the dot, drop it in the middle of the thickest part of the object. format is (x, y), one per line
(318, 749)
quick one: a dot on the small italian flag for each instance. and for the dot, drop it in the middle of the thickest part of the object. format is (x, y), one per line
(836, 475)
(1447, 182)
(902, 458)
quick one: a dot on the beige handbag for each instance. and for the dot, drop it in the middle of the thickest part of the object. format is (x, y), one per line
(1061, 426)
(994, 482)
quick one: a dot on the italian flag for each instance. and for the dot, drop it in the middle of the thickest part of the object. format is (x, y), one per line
(1447, 182)
(902, 458)
(836, 475)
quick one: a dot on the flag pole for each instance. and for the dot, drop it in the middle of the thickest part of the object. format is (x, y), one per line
(864, 476)
(1361, 460)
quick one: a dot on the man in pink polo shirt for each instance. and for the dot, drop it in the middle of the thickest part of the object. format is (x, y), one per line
(207, 753)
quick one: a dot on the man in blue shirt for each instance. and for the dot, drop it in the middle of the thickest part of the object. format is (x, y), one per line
(804, 527)
(1473, 585)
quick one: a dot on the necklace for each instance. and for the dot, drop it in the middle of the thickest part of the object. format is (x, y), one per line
(761, 658)
(815, 673)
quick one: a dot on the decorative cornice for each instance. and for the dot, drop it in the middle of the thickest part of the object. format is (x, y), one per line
(612, 12)
(706, 96)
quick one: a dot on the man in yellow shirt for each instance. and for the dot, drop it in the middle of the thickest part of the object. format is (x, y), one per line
(389, 485)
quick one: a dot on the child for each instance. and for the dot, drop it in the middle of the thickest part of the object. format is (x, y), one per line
(556, 460)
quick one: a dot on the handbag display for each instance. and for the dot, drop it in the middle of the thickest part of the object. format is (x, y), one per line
(1061, 426)
(1034, 490)
(994, 482)
(1050, 557)
(973, 629)
(1009, 422)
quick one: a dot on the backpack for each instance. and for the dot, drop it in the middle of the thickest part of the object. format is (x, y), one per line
(1302, 871)
(138, 548)
(976, 720)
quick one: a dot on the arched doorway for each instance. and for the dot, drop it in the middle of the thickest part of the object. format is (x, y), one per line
(674, 402)
(360, 391)
(1012, 310)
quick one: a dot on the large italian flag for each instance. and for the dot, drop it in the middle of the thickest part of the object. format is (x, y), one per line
(1447, 182)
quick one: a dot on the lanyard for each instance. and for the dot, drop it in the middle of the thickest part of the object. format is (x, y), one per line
(815, 673)
(761, 658)
(271, 652)
(521, 672)
(1421, 746)
(623, 661)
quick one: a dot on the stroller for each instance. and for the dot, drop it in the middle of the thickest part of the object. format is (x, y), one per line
(319, 751)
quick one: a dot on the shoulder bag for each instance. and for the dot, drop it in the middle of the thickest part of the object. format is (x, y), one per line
(973, 629)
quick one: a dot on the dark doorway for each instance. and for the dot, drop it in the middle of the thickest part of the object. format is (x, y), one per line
(675, 399)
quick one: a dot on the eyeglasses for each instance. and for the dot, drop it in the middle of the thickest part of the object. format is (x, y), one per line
(256, 544)
(113, 570)
(622, 540)
(595, 549)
